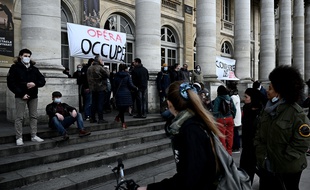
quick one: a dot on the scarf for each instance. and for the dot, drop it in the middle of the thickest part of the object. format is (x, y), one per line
(182, 116)
(271, 107)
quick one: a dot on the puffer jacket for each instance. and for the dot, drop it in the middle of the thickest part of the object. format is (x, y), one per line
(123, 84)
(18, 77)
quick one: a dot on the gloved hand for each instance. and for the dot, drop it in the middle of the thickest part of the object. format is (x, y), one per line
(131, 185)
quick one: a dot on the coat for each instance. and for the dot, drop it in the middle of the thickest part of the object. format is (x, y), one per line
(18, 77)
(122, 89)
(140, 77)
(97, 77)
(282, 138)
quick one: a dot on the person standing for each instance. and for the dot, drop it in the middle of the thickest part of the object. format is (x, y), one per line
(197, 75)
(185, 74)
(283, 132)
(96, 75)
(253, 105)
(237, 119)
(162, 82)
(123, 84)
(85, 90)
(175, 73)
(23, 80)
(225, 116)
(78, 75)
(190, 134)
(140, 77)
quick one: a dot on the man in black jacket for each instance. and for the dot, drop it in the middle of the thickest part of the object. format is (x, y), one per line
(61, 116)
(23, 80)
(140, 76)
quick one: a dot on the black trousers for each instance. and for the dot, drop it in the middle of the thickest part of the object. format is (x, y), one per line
(268, 181)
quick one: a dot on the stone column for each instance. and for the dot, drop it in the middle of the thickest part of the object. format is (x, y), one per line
(148, 44)
(41, 33)
(299, 36)
(285, 41)
(267, 60)
(242, 44)
(188, 33)
(307, 40)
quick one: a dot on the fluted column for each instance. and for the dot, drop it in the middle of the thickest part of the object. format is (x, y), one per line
(206, 37)
(307, 40)
(299, 36)
(41, 33)
(285, 41)
(242, 39)
(267, 40)
(148, 27)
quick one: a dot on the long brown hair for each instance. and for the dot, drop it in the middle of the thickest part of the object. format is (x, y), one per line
(194, 103)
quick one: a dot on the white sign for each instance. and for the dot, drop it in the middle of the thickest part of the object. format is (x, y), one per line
(87, 42)
(225, 68)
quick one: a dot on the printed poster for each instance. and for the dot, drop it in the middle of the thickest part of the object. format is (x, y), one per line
(225, 68)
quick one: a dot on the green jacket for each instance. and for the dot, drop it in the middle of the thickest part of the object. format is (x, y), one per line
(279, 139)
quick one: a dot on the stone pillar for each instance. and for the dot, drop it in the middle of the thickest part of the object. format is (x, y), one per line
(41, 33)
(285, 41)
(307, 40)
(299, 36)
(242, 44)
(148, 43)
(267, 60)
(206, 42)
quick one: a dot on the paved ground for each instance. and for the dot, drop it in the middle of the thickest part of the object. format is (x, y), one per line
(7, 128)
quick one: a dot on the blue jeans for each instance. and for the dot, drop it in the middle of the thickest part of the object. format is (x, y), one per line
(69, 120)
(141, 102)
(87, 103)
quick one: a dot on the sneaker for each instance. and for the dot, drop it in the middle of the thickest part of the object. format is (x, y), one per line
(236, 151)
(19, 142)
(83, 133)
(87, 118)
(65, 137)
(36, 139)
(102, 121)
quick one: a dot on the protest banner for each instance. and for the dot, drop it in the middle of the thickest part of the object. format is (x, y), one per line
(87, 42)
(225, 68)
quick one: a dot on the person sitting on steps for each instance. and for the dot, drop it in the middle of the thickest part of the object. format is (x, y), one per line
(61, 116)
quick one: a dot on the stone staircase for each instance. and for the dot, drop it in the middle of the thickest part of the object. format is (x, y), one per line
(81, 163)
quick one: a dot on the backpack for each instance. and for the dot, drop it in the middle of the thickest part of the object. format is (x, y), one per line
(231, 177)
(225, 107)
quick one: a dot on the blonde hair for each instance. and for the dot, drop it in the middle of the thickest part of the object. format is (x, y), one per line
(194, 103)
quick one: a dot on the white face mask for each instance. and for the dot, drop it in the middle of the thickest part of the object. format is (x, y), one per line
(274, 99)
(26, 60)
(198, 70)
(79, 69)
(57, 100)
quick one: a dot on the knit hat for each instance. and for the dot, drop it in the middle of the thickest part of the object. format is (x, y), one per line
(165, 65)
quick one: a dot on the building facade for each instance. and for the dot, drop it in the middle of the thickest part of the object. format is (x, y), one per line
(257, 34)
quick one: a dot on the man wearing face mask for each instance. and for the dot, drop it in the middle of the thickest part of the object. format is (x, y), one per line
(61, 116)
(163, 82)
(197, 75)
(23, 80)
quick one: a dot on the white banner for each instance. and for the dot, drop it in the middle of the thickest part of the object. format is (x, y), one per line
(225, 68)
(87, 42)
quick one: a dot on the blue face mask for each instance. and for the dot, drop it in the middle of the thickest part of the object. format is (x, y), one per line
(165, 68)
(57, 100)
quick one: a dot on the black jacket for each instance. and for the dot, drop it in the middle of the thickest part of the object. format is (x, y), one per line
(140, 76)
(19, 76)
(51, 110)
(195, 161)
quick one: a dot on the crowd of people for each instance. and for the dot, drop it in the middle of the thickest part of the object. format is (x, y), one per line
(275, 129)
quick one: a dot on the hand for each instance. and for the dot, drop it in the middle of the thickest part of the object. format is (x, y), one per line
(26, 97)
(30, 85)
(60, 117)
(73, 113)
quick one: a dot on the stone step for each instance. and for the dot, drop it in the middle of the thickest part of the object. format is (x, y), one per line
(88, 170)
(51, 141)
(99, 141)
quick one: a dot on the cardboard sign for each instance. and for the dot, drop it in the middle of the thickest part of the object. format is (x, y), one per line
(225, 68)
(87, 42)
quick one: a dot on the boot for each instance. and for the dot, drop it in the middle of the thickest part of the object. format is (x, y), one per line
(124, 125)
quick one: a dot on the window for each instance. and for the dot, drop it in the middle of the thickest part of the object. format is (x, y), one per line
(168, 47)
(65, 17)
(226, 10)
(226, 49)
(119, 23)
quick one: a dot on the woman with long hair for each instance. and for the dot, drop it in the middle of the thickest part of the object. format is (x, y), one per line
(190, 134)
